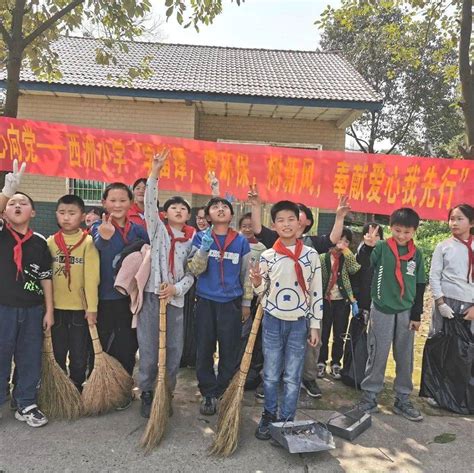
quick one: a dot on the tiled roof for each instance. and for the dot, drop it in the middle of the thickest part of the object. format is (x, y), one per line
(215, 70)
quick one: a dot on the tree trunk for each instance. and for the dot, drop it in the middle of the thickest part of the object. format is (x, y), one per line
(466, 75)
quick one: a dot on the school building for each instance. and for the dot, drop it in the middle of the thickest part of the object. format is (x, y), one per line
(277, 97)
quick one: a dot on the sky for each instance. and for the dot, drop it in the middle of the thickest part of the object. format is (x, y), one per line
(273, 24)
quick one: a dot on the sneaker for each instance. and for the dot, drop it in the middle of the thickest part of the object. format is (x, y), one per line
(406, 409)
(126, 404)
(263, 429)
(32, 416)
(321, 370)
(259, 394)
(336, 371)
(208, 406)
(368, 404)
(147, 399)
(432, 402)
(312, 388)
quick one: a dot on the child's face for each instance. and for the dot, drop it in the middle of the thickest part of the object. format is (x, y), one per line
(286, 224)
(201, 221)
(401, 234)
(342, 244)
(69, 217)
(459, 224)
(91, 217)
(117, 203)
(177, 214)
(220, 213)
(139, 193)
(19, 210)
(246, 228)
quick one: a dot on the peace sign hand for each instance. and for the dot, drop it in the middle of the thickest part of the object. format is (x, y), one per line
(254, 274)
(13, 179)
(252, 196)
(370, 238)
(343, 208)
(106, 228)
(158, 162)
(214, 183)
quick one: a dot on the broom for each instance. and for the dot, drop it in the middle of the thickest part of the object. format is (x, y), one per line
(229, 417)
(58, 398)
(109, 385)
(160, 409)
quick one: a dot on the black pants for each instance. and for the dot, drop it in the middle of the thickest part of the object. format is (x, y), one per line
(114, 324)
(335, 316)
(70, 334)
(222, 323)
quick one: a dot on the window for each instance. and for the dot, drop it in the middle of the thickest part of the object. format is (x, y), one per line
(89, 191)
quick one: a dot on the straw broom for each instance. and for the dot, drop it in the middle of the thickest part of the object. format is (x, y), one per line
(229, 417)
(160, 409)
(109, 385)
(57, 396)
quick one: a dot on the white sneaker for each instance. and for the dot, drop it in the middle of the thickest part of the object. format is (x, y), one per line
(336, 371)
(32, 416)
(321, 370)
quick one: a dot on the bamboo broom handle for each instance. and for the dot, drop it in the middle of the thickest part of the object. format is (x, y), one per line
(247, 358)
(95, 339)
(48, 344)
(162, 345)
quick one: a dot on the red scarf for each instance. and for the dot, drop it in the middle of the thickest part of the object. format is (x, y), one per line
(18, 248)
(229, 238)
(334, 269)
(188, 234)
(123, 231)
(63, 248)
(252, 240)
(281, 249)
(392, 244)
(470, 252)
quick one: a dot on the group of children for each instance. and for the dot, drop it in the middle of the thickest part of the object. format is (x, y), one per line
(305, 284)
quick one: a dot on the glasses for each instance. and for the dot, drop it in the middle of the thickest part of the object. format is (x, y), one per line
(200, 218)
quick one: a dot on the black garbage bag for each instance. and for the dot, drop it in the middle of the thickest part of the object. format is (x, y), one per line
(188, 357)
(447, 373)
(355, 357)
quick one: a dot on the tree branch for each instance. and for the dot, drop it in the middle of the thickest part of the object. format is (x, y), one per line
(5, 35)
(358, 140)
(51, 21)
(402, 136)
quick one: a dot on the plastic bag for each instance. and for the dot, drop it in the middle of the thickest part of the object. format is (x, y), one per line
(353, 367)
(447, 373)
(188, 357)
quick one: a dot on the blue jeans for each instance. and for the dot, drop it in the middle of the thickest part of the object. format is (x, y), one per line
(21, 339)
(284, 347)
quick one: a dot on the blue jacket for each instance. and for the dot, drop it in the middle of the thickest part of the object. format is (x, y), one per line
(109, 251)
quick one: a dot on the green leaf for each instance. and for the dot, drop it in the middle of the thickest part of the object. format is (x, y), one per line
(169, 11)
(444, 438)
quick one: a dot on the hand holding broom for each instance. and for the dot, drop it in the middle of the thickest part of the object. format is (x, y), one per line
(160, 408)
(229, 417)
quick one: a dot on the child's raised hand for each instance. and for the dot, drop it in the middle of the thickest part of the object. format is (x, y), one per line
(13, 179)
(159, 161)
(370, 238)
(207, 239)
(252, 196)
(343, 208)
(106, 228)
(254, 274)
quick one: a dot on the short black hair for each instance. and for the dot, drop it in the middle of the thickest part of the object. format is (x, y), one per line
(367, 227)
(467, 210)
(309, 215)
(117, 185)
(244, 217)
(284, 205)
(218, 200)
(346, 232)
(32, 202)
(96, 211)
(177, 199)
(71, 199)
(139, 181)
(405, 217)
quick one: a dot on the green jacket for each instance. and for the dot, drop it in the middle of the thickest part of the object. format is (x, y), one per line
(348, 265)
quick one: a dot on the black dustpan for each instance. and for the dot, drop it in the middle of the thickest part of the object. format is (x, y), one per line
(302, 436)
(350, 424)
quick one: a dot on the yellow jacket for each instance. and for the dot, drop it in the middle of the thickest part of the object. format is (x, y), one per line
(85, 274)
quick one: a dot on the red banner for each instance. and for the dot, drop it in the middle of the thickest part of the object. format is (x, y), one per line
(375, 183)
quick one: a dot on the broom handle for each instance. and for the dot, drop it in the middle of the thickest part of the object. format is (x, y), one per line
(162, 345)
(48, 343)
(247, 358)
(95, 339)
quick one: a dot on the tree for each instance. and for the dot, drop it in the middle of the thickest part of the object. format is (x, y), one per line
(410, 61)
(29, 28)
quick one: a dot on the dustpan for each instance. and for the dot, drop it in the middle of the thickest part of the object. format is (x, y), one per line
(302, 436)
(350, 424)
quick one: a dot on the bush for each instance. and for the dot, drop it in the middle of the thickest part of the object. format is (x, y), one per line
(428, 235)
